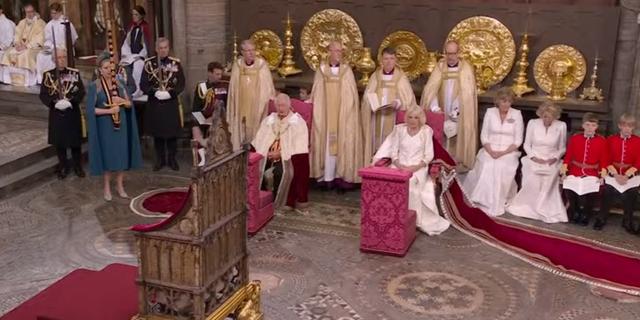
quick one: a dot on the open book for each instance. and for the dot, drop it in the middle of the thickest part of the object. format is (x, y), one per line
(200, 118)
(581, 186)
(631, 183)
(375, 104)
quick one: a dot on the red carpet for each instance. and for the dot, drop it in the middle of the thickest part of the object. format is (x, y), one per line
(572, 257)
(109, 294)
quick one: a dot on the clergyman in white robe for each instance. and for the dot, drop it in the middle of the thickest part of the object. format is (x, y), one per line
(136, 60)
(540, 196)
(53, 28)
(491, 183)
(7, 30)
(411, 150)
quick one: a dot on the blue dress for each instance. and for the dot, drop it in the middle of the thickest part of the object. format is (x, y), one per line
(111, 150)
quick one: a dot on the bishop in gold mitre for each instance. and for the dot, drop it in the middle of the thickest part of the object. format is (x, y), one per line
(451, 90)
(250, 90)
(388, 90)
(336, 139)
(27, 43)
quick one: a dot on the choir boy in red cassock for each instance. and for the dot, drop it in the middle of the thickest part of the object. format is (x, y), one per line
(622, 179)
(583, 170)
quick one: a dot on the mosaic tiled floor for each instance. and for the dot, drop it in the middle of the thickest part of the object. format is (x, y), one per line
(308, 262)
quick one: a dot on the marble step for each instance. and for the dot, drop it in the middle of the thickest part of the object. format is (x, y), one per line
(30, 171)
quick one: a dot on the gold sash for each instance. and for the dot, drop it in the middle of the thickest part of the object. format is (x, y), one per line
(448, 75)
(248, 81)
(333, 98)
(385, 116)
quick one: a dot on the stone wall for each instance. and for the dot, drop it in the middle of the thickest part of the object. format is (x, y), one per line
(199, 33)
(625, 75)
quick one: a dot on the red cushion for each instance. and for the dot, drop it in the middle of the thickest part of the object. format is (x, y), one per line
(266, 197)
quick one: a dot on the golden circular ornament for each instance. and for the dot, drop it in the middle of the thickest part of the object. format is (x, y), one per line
(486, 42)
(563, 58)
(326, 26)
(268, 46)
(411, 53)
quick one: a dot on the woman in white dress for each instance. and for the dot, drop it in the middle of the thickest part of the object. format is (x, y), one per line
(545, 143)
(491, 182)
(410, 147)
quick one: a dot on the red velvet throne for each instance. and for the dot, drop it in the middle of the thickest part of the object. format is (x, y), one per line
(387, 224)
(260, 202)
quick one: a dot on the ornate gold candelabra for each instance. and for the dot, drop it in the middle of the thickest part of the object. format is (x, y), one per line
(592, 92)
(479, 70)
(229, 66)
(521, 83)
(365, 66)
(558, 88)
(288, 66)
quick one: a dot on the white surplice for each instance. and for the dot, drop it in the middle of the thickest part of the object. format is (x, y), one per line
(413, 150)
(134, 59)
(7, 30)
(330, 162)
(45, 61)
(491, 183)
(540, 196)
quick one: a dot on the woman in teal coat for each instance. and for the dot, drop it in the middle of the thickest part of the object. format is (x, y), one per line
(111, 149)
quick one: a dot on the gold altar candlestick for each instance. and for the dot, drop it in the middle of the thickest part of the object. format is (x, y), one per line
(593, 92)
(288, 66)
(234, 58)
(521, 83)
(432, 58)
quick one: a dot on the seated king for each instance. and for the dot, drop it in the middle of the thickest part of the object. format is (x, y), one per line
(283, 137)
(19, 61)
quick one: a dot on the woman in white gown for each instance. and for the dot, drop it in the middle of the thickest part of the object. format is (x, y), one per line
(410, 147)
(544, 143)
(491, 183)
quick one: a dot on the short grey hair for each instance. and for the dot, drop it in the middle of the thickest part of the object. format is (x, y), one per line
(334, 42)
(283, 97)
(246, 42)
(162, 40)
(549, 107)
(389, 50)
(415, 110)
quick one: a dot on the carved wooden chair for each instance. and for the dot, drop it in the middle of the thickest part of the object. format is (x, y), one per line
(194, 264)
(387, 224)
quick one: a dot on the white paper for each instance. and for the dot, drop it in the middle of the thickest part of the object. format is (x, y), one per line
(200, 118)
(203, 87)
(581, 186)
(631, 183)
(450, 129)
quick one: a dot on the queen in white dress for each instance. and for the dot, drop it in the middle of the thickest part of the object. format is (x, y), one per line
(545, 143)
(410, 147)
(491, 183)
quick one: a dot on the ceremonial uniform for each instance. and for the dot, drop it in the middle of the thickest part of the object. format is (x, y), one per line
(210, 96)
(163, 117)
(623, 159)
(66, 124)
(586, 158)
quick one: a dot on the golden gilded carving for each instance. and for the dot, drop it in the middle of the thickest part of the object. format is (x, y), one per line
(324, 27)
(411, 52)
(365, 65)
(559, 69)
(521, 82)
(269, 46)
(244, 304)
(488, 45)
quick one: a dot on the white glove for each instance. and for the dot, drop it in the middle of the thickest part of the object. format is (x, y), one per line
(63, 104)
(163, 95)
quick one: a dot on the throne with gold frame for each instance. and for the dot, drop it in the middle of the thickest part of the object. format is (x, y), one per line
(194, 264)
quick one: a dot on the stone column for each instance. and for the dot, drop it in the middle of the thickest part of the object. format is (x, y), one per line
(205, 27)
(626, 80)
